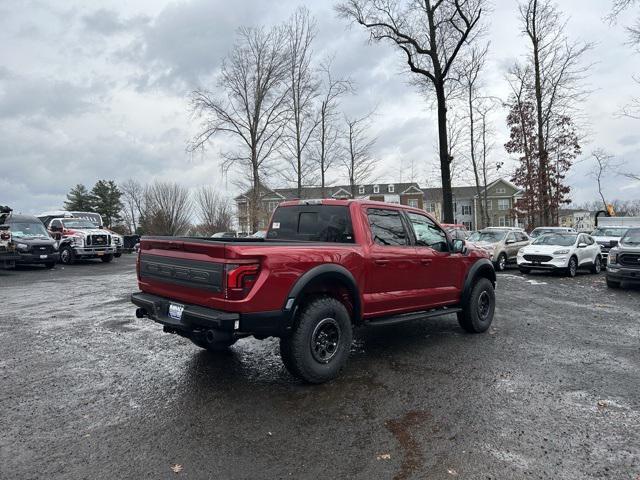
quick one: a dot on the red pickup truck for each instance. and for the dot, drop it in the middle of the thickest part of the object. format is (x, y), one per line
(324, 267)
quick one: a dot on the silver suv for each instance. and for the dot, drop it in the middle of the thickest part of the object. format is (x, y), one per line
(501, 243)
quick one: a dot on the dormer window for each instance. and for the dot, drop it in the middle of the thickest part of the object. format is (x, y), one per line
(376, 189)
(391, 188)
(361, 190)
(500, 190)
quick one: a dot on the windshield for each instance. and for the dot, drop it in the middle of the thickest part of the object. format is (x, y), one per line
(488, 236)
(540, 231)
(28, 230)
(560, 239)
(608, 232)
(79, 223)
(632, 237)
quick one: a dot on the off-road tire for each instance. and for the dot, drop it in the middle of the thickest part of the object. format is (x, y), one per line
(613, 284)
(525, 270)
(570, 271)
(49, 265)
(476, 317)
(212, 347)
(107, 258)
(501, 263)
(67, 255)
(319, 345)
(597, 265)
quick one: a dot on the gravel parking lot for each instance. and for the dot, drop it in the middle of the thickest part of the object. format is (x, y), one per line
(89, 391)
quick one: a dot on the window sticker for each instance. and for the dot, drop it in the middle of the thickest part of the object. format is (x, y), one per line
(276, 225)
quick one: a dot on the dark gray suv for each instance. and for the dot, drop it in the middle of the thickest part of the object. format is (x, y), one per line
(624, 260)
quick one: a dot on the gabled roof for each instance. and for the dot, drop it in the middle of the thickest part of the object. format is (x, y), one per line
(506, 182)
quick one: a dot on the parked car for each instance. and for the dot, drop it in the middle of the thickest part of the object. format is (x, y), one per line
(225, 235)
(8, 254)
(33, 244)
(502, 244)
(324, 267)
(561, 251)
(607, 238)
(624, 260)
(82, 239)
(536, 232)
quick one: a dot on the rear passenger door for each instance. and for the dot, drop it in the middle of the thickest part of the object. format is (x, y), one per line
(391, 281)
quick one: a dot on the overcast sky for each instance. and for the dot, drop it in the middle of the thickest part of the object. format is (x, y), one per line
(98, 90)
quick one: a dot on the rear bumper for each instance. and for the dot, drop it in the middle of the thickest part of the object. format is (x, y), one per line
(196, 318)
(622, 274)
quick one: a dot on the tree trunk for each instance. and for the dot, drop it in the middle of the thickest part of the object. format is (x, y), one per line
(542, 154)
(445, 162)
(254, 211)
(473, 154)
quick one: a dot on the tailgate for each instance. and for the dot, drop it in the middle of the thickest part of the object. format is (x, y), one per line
(189, 263)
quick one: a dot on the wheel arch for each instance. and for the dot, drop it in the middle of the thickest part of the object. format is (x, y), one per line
(483, 268)
(331, 279)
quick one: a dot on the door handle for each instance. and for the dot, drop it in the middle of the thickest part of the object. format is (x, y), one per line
(381, 262)
(425, 261)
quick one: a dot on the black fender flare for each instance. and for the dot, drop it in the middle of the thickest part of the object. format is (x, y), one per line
(329, 270)
(482, 268)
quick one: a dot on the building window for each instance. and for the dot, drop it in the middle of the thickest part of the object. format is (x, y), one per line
(431, 207)
(502, 221)
(413, 202)
(391, 188)
(376, 189)
(455, 207)
(503, 204)
(500, 190)
(488, 205)
(361, 190)
(466, 209)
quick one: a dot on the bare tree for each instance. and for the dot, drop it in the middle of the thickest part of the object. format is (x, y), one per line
(168, 209)
(302, 92)
(468, 76)
(431, 33)
(558, 72)
(327, 145)
(357, 159)
(619, 6)
(486, 171)
(253, 108)
(214, 211)
(603, 165)
(133, 202)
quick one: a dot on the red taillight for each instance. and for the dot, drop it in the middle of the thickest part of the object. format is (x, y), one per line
(240, 279)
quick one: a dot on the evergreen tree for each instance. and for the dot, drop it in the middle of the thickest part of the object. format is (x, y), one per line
(79, 199)
(106, 201)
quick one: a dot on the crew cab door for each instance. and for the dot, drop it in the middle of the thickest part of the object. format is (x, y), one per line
(391, 280)
(440, 272)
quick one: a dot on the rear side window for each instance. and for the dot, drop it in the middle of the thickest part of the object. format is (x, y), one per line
(387, 227)
(312, 223)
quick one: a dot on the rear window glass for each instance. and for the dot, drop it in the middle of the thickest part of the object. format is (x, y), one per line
(313, 223)
(387, 227)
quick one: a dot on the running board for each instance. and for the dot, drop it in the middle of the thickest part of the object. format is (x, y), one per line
(410, 317)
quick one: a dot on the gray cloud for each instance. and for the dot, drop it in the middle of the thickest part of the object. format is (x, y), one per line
(98, 90)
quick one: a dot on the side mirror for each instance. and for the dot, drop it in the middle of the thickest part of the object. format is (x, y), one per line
(582, 245)
(458, 246)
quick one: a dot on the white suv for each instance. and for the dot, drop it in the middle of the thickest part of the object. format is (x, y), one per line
(561, 251)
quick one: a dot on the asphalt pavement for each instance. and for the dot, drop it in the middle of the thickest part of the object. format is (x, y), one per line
(87, 391)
